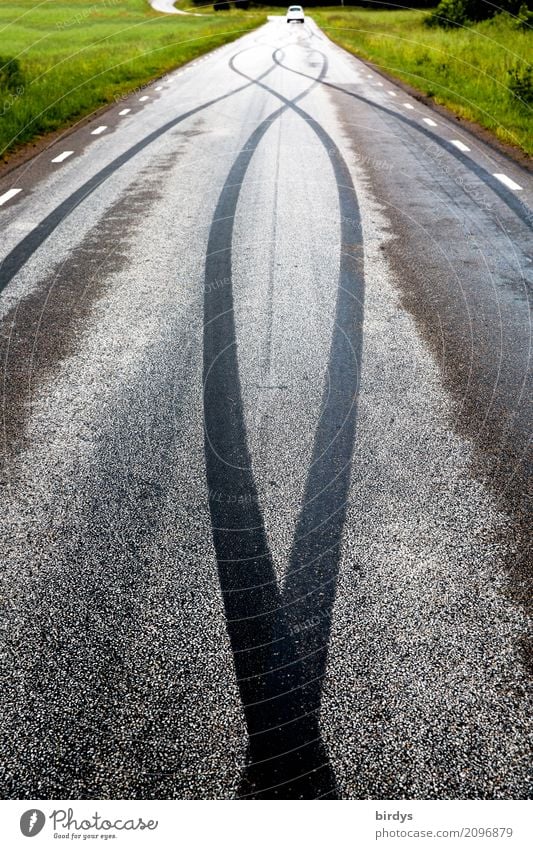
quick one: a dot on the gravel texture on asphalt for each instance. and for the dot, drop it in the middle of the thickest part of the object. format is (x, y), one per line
(118, 679)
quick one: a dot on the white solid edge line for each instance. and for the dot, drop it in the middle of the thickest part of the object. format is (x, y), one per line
(408, 106)
(503, 178)
(124, 111)
(429, 122)
(459, 145)
(8, 195)
(63, 156)
(99, 130)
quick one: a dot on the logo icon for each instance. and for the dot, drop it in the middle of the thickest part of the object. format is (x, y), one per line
(32, 822)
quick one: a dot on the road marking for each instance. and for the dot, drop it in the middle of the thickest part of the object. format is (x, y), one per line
(429, 122)
(408, 106)
(144, 97)
(99, 130)
(63, 156)
(124, 111)
(393, 93)
(503, 178)
(459, 144)
(381, 84)
(370, 77)
(8, 195)
(159, 88)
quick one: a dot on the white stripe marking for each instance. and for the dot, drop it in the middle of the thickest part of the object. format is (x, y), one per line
(393, 93)
(63, 156)
(124, 111)
(381, 84)
(429, 122)
(99, 130)
(503, 178)
(370, 77)
(408, 106)
(159, 88)
(459, 144)
(144, 97)
(8, 195)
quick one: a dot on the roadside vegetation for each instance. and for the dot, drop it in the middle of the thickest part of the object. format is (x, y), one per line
(62, 59)
(481, 71)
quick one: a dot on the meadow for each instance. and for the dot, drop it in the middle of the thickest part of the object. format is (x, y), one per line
(62, 59)
(482, 73)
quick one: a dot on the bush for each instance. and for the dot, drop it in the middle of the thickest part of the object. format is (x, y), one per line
(11, 76)
(456, 13)
(521, 83)
(524, 17)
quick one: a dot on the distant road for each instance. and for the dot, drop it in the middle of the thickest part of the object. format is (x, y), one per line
(265, 358)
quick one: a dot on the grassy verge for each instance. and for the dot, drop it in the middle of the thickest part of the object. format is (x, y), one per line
(464, 69)
(77, 55)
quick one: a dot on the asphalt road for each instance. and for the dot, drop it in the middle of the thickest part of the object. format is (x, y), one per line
(265, 341)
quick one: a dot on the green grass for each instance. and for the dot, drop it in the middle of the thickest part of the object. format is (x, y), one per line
(77, 55)
(464, 69)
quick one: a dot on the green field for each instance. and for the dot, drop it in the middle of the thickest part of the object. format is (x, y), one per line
(78, 55)
(464, 69)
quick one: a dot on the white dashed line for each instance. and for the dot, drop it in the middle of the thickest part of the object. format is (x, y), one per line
(63, 156)
(8, 195)
(459, 144)
(408, 106)
(159, 88)
(370, 77)
(99, 130)
(392, 93)
(503, 178)
(429, 122)
(144, 97)
(381, 84)
(124, 111)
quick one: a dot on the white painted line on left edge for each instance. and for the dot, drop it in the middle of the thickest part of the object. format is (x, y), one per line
(459, 144)
(124, 111)
(8, 195)
(63, 156)
(503, 178)
(144, 97)
(408, 106)
(99, 130)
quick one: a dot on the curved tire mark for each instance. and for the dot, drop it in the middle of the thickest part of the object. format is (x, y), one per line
(280, 639)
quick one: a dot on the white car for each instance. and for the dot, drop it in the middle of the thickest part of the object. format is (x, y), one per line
(295, 14)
